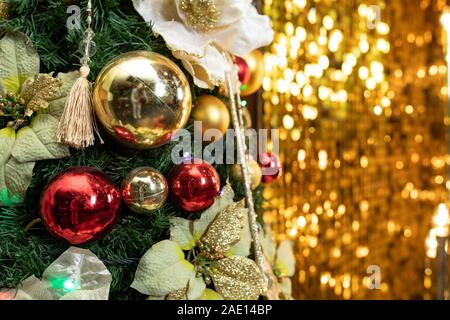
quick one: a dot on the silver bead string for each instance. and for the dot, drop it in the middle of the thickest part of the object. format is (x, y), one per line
(237, 117)
(88, 37)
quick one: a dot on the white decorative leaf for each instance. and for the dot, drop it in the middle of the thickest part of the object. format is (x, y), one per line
(33, 289)
(196, 287)
(17, 177)
(19, 60)
(7, 139)
(268, 244)
(58, 101)
(38, 141)
(162, 270)
(286, 287)
(181, 233)
(285, 260)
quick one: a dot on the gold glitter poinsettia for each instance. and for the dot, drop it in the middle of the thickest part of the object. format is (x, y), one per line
(216, 247)
(30, 108)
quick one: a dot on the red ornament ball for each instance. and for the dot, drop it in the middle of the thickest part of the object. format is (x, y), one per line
(79, 205)
(194, 186)
(271, 167)
(244, 71)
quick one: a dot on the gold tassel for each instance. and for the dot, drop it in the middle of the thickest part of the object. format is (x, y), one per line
(77, 124)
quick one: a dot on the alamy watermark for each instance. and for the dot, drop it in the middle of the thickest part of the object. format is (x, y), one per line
(194, 147)
(375, 18)
(374, 277)
(74, 20)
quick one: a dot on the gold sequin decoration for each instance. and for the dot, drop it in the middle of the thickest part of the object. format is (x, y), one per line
(178, 295)
(202, 15)
(237, 278)
(39, 90)
(223, 232)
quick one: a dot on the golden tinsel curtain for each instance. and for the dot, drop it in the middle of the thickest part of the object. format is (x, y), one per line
(358, 91)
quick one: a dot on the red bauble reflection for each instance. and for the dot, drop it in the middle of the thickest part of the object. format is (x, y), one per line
(194, 186)
(244, 72)
(124, 134)
(271, 167)
(80, 204)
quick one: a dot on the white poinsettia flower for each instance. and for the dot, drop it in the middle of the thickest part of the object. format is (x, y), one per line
(195, 30)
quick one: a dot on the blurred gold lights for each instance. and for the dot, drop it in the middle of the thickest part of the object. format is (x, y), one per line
(334, 90)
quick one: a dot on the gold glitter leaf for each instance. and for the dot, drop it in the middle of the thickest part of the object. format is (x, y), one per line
(223, 232)
(180, 294)
(237, 278)
(4, 9)
(39, 90)
(208, 216)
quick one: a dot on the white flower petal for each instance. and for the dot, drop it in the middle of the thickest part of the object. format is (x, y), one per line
(196, 287)
(179, 38)
(251, 32)
(156, 10)
(232, 10)
(208, 71)
(180, 232)
(162, 270)
(163, 16)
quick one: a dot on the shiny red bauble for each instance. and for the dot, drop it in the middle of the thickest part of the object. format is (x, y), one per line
(270, 166)
(194, 187)
(244, 72)
(79, 205)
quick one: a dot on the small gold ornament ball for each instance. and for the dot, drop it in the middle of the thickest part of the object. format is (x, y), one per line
(144, 190)
(141, 98)
(213, 114)
(255, 173)
(248, 122)
(255, 61)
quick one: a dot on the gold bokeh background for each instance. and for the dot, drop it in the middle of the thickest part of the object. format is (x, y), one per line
(358, 91)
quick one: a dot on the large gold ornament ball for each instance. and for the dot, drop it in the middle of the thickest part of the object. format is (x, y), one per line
(255, 61)
(255, 173)
(141, 99)
(144, 190)
(213, 114)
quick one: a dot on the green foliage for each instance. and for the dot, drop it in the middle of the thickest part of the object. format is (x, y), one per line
(28, 251)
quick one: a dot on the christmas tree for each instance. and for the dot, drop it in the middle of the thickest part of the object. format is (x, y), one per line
(46, 144)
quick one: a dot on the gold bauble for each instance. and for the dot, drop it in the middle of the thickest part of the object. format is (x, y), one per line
(255, 173)
(255, 61)
(144, 190)
(248, 122)
(213, 114)
(141, 98)
(4, 10)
